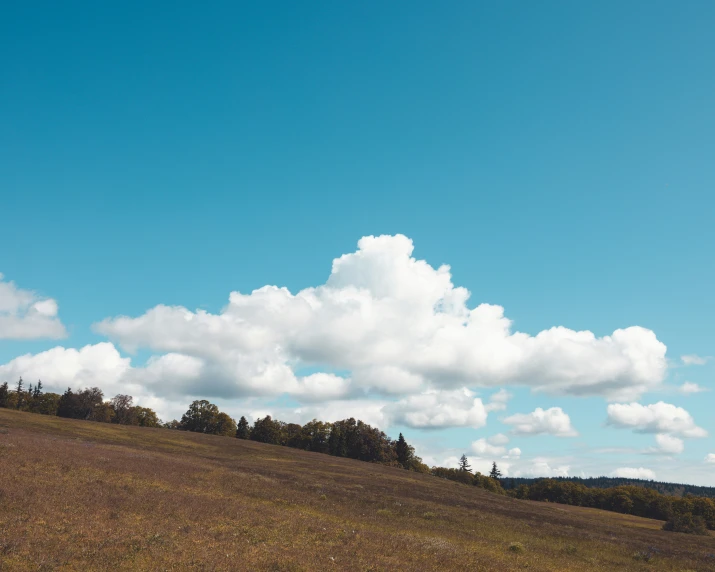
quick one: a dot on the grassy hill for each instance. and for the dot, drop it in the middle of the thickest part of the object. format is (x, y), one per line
(78, 495)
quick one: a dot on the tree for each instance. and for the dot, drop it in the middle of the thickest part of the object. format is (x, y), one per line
(315, 436)
(266, 430)
(144, 417)
(91, 405)
(224, 425)
(122, 405)
(464, 464)
(243, 431)
(38, 389)
(495, 473)
(201, 417)
(18, 390)
(403, 452)
(68, 405)
(4, 395)
(46, 404)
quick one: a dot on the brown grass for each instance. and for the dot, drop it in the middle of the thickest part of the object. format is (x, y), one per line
(77, 495)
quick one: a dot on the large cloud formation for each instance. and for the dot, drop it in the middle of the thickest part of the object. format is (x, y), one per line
(385, 329)
(396, 325)
(24, 315)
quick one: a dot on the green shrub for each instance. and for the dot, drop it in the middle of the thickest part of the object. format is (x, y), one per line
(686, 523)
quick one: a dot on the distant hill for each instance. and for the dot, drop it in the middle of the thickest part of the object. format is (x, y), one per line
(672, 489)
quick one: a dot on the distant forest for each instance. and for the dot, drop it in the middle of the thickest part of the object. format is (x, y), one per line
(670, 489)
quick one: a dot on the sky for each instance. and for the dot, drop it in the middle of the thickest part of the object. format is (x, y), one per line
(488, 226)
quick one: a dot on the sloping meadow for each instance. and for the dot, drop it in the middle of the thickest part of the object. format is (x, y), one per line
(78, 495)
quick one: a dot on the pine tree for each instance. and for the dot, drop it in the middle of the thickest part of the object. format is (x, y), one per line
(495, 473)
(403, 452)
(38, 389)
(4, 394)
(243, 431)
(18, 390)
(464, 464)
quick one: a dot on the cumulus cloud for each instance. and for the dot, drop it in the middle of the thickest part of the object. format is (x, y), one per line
(693, 359)
(24, 315)
(710, 458)
(553, 421)
(498, 400)
(541, 468)
(688, 388)
(486, 448)
(399, 327)
(668, 444)
(439, 409)
(660, 417)
(634, 473)
(498, 439)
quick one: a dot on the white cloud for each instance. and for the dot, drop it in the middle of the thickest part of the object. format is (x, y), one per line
(541, 468)
(482, 448)
(399, 327)
(668, 444)
(710, 458)
(24, 315)
(693, 359)
(633, 473)
(493, 447)
(498, 439)
(553, 421)
(688, 388)
(655, 418)
(439, 409)
(59, 367)
(498, 400)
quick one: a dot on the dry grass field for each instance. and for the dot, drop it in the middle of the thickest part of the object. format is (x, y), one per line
(77, 495)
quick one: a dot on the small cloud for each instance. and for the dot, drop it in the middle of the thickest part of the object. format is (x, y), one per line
(542, 468)
(688, 388)
(633, 473)
(710, 458)
(514, 453)
(498, 400)
(667, 445)
(553, 421)
(482, 448)
(693, 359)
(498, 439)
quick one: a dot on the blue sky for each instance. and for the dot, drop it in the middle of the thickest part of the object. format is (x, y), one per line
(557, 156)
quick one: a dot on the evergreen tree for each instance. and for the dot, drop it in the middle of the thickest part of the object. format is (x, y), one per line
(403, 452)
(38, 389)
(495, 473)
(243, 431)
(464, 464)
(4, 395)
(20, 392)
(68, 405)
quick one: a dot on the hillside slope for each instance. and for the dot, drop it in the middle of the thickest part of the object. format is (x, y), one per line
(77, 495)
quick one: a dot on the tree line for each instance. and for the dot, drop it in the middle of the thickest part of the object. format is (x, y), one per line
(672, 489)
(88, 404)
(682, 514)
